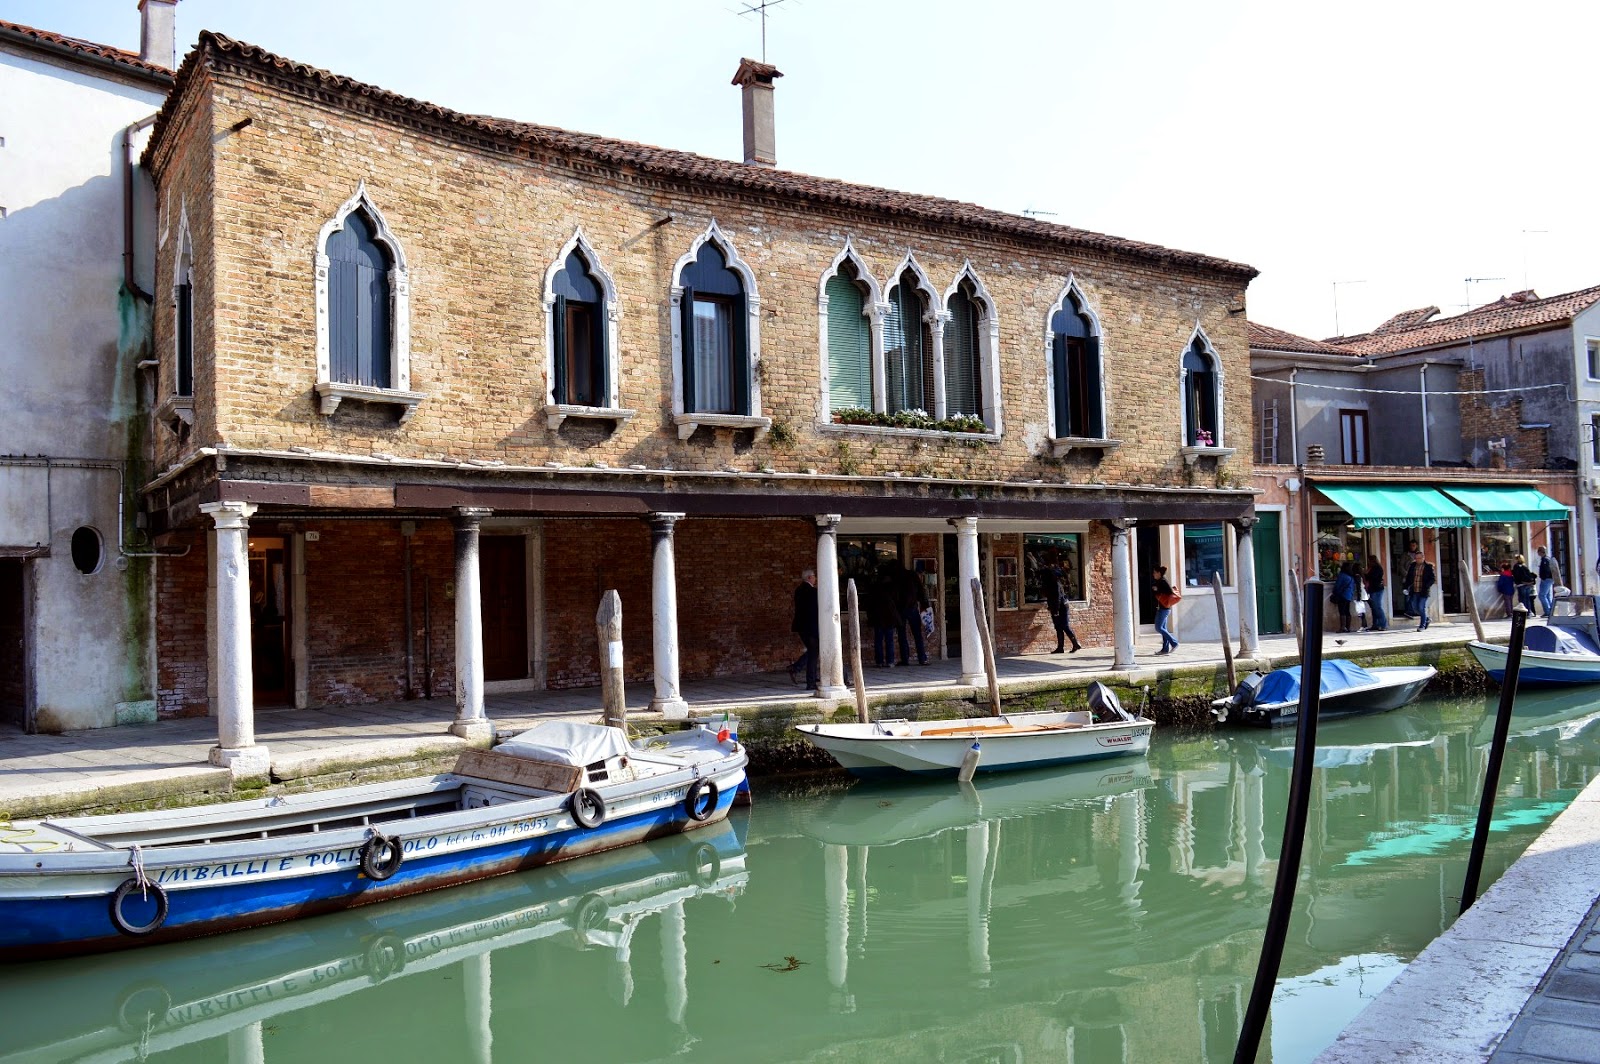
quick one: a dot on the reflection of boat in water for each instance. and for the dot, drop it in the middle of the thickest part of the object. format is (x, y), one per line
(157, 1000)
(877, 814)
(1562, 713)
(1353, 741)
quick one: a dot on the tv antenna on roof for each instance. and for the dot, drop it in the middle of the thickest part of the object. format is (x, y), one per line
(759, 8)
(1470, 281)
(1336, 285)
(1030, 212)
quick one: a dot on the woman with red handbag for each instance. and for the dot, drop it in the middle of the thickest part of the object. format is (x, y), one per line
(1166, 598)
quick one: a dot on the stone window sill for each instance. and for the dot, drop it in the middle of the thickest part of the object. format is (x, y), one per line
(556, 413)
(176, 411)
(927, 434)
(1062, 446)
(1193, 454)
(687, 423)
(332, 393)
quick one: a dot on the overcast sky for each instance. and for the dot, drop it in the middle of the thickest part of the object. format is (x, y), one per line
(1398, 146)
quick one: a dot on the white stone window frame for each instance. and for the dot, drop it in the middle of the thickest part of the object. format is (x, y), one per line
(1061, 446)
(330, 391)
(988, 346)
(873, 309)
(1590, 344)
(1218, 448)
(611, 410)
(933, 315)
(687, 422)
(176, 411)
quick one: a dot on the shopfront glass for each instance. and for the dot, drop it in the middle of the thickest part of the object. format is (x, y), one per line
(1338, 542)
(1499, 543)
(1041, 552)
(1204, 554)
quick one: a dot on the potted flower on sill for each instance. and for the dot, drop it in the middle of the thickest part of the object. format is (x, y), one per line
(1202, 438)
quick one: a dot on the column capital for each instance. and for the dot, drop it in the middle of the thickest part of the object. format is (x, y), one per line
(1121, 524)
(1244, 524)
(663, 520)
(964, 525)
(229, 514)
(828, 522)
(470, 517)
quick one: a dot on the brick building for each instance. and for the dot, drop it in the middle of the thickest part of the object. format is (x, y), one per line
(432, 382)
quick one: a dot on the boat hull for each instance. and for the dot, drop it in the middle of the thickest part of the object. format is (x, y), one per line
(872, 750)
(1538, 669)
(1402, 686)
(57, 903)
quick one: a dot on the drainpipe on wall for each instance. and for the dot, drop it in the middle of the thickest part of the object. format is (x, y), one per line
(128, 169)
(1426, 461)
(1294, 418)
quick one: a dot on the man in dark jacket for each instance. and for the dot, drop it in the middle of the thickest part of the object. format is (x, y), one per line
(1419, 585)
(804, 625)
(1057, 597)
(913, 598)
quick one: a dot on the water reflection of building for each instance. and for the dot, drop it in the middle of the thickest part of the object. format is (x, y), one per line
(229, 990)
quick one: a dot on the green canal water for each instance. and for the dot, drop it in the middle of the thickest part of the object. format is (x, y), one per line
(1108, 914)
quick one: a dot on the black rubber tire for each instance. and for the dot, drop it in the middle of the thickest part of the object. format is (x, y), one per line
(587, 808)
(705, 865)
(381, 857)
(127, 927)
(701, 788)
(590, 912)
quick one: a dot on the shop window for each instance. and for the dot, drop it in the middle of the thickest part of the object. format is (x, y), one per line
(1204, 553)
(1499, 543)
(1337, 543)
(1040, 553)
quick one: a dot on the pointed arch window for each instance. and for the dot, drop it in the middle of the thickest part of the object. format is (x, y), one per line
(715, 333)
(849, 339)
(963, 362)
(1075, 372)
(907, 348)
(582, 373)
(1202, 399)
(183, 306)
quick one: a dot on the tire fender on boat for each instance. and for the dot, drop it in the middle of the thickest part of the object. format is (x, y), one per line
(705, 865)
(587, 808)
(701, 788)
(120, 897)
(381, 856)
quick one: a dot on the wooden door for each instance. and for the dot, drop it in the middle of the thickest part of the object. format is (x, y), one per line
(1266, 544)
(269, 621)
(13, 645)
(503, 568)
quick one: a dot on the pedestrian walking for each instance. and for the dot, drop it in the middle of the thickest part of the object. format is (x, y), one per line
(1505, 585)
(804, 625)
(1058, 599)
(1376, 589)
(1420, 579)
(1526, 581)
(1344, 593)
(1166, 598)
(1549, 577)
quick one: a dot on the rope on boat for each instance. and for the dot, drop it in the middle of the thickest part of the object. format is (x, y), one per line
(11, 835)
(136, 858)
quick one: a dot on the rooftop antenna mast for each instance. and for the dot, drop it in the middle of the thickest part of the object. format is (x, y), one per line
(760, 9)
(1470, 281)
(1336, 285)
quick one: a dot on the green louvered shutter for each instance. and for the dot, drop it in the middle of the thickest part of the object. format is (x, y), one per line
(849, 348)
(961, 359)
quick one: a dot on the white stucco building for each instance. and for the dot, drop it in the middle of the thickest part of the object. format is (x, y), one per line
(75, 573)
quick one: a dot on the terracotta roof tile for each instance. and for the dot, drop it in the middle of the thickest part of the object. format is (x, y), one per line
(56, 42)
(697, 169)
(1408, 318)
(1266, 338)
(1514, 313)
(750, 70)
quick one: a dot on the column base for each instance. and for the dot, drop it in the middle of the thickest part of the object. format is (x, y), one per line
(670, 708)
(474, 731)
(242, 761)
(1131, 663)
(974, 679)
(834, 692)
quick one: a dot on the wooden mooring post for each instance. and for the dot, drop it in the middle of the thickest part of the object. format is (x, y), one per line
(1222, 626)
(855, 649)
(987, 640)
(608, 629)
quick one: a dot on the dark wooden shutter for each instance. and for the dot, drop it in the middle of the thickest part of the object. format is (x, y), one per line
(375, 322)
(740, 356)
(558, 344)
(185, 367)
(1058, 358)
(686, 309)
(1093, 390)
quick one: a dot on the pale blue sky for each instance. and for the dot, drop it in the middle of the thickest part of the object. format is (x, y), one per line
(1405, 144)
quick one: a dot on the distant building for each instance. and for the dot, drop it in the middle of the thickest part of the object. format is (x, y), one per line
(76, 262)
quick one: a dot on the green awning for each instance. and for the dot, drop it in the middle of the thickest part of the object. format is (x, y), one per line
(1397, 506)
(1507, 504)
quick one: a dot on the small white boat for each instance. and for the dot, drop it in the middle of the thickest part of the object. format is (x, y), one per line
(560, 790)
(1009, 741)
(1565, 650)
(1347, 690)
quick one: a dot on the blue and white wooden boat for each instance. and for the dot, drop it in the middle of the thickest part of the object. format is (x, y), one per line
(560, 790)
(1564, 650)
(1347, 690)
(1011, 741)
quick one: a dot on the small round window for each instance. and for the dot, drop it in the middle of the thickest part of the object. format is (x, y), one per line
(86, 550)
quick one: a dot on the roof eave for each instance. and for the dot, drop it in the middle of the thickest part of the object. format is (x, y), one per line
(126, 71)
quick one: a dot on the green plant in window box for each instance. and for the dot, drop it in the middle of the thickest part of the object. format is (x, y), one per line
(909, 419)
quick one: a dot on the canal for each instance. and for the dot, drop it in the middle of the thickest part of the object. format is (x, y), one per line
(1108, 914)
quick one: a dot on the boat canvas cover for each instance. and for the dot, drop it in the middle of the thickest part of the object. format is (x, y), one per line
(567, 742)
(1283, 685)
(1546, 640)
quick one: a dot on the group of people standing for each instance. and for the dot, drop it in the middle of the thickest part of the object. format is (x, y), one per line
(1351, 586)
(895, 601)
(1518, 583)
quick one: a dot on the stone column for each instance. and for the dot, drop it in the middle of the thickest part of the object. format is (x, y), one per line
(470, 721)
(1122, 601)
(664, 618)
(1249, 646)
(234, 707)
(830, 643)
(972, 671)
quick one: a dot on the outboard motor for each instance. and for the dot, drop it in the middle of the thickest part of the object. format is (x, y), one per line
(1104, 700)
(1245, 694)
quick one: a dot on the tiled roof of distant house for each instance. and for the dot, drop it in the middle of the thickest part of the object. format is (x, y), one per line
(1406, 319)
(1517, 312)
(88, 51)
(1266, 338)
(665, 163)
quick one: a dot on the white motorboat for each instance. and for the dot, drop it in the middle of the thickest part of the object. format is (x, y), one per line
(1347, 690)
(1563, 651)
(1009, 741)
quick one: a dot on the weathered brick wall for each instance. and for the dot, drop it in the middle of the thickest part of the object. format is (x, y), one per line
(1485, 418)
(480, 228)
(181, 658)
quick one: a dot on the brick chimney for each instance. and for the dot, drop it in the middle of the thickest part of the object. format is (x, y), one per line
(158, 33)
(759, 137)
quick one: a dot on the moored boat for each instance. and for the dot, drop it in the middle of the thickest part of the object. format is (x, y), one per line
(1347, 690)
(1564, 650)
(1009, 741)
(558, 791)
